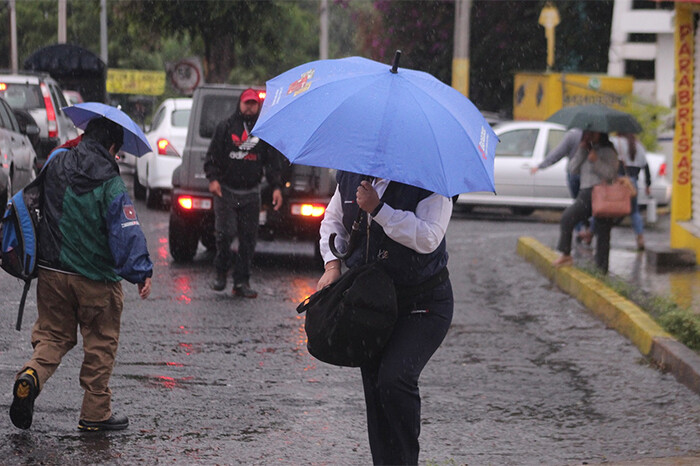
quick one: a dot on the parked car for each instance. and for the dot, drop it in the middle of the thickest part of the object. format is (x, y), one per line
(523, 145)
(17, 155)
(306, 190)
(153, 174)
(42, 97)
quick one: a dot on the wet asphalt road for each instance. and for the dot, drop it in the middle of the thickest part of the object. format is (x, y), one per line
(525, 376)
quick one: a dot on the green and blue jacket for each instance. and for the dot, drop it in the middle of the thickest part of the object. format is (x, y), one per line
(89, 225)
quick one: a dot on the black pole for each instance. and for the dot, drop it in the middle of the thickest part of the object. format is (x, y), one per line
(395, 64)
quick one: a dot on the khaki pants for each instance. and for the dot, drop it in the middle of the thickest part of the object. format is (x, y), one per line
(65, 302)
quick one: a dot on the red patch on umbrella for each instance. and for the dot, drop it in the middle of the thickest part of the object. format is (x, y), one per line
(129, 212)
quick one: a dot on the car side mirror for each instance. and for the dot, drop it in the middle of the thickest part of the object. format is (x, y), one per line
(31, 130)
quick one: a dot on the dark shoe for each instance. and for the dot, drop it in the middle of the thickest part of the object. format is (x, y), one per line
(113, 423)
(219, 282)
(24, 392)
(244, 291)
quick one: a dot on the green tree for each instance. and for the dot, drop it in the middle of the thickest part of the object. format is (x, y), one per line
(223, 27)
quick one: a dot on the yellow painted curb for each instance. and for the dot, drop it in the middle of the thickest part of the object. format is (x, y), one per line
(616, 311)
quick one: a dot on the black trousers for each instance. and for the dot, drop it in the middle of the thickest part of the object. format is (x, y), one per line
(236, 216)
(391, 382)
(581, 210)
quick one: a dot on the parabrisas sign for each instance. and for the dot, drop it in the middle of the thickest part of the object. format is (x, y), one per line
(684, 115)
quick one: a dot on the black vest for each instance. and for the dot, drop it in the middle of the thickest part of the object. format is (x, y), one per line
(406, 266)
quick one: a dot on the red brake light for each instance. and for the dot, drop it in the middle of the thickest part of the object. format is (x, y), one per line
(165, 148)
(308, 210)
(262, 95)
(185, 202)
(662, 169)
(50, 112)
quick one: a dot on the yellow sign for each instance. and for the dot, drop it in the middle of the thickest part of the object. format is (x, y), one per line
(135, 82)
(538, 95)
(681, 201)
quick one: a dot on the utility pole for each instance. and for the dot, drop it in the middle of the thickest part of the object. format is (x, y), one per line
(460, 57)
(103, 31)
(61, 21)
(13, 36)
(323, 39)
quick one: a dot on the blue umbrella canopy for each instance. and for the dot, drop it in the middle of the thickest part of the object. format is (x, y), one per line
(366, 117)
(135, 141)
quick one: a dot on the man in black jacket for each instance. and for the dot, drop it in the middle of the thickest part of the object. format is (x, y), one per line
(234, 167)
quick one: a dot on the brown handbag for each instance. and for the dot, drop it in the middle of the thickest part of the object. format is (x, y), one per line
(610, 200)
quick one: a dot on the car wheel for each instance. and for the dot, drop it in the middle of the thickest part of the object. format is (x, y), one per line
(139, 189)
(182, 239)
(6, 194)
(154, 198)
(522, 210)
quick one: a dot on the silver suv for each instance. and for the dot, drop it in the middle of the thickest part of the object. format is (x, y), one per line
(42, 97)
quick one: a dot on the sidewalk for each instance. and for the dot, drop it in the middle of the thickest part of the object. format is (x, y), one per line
(626, 263)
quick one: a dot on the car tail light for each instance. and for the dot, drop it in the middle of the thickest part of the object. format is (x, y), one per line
(50, 112)
(662, 169)
(308, 210)
(262, 95)
(165, 148)
(194, 203)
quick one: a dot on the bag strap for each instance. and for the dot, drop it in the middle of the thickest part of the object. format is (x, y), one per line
(20, 312)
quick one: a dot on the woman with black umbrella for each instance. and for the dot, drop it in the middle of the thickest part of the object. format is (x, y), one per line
(596, 160)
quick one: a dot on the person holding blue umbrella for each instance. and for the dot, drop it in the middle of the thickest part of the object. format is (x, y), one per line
(404, 227)
(89, 240)
(419, 142)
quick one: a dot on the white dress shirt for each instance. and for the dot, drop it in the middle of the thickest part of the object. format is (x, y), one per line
(423, 231)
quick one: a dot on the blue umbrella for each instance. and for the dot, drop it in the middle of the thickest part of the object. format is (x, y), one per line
(135, 141)
(365, 117)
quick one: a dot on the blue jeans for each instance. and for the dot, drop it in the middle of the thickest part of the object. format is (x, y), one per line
(635, 216)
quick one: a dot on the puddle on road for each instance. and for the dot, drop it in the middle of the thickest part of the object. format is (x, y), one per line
(169, 383)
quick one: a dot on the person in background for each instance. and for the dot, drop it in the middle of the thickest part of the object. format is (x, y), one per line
(234, 167)
(407, 233)
(595, 161)
(567, 147)
(90, 238)
(633, 160)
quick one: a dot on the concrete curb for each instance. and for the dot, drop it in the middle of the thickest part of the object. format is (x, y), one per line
(618, 313)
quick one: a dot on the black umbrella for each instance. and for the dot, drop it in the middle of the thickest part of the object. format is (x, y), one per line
(598, 118)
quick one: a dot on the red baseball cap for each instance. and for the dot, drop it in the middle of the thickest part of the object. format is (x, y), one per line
(250, 94)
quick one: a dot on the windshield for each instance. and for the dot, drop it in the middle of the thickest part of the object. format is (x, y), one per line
(24, 96)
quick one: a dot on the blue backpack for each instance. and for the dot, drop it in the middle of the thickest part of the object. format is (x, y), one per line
(19, 231)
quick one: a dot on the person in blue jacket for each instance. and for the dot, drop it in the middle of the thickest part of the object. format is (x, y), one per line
(407, 227)
(89, 240)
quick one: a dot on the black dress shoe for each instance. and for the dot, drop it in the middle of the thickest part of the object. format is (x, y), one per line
(113, 423)
(219, 282)
(24, 392)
